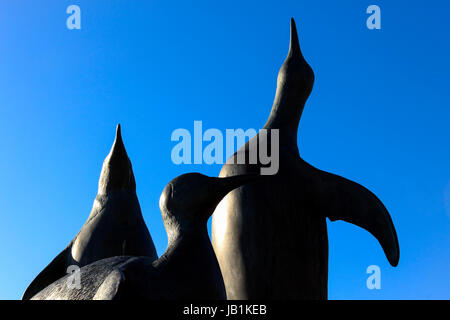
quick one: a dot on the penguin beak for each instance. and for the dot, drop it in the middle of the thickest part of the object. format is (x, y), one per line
(294, 46)
(117, 173)
(228, 184)
(222, 186)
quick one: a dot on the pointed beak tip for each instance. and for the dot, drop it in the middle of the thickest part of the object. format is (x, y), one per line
(294, 45)
(118, 144)
(293, 27)
(118, 133)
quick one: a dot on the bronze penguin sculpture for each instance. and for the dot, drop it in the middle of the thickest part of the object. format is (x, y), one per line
(187, 270)
(114, 227)
(270, 237)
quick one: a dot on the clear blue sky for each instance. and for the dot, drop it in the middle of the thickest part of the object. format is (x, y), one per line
(379, 114)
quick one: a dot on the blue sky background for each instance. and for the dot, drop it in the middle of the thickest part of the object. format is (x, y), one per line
(379, 114)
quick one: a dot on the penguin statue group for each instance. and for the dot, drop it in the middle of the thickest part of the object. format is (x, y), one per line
(114, 227)
(269, 233)
(187, 270)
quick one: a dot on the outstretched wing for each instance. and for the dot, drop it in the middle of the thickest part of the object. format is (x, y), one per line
(342, 199)
(112, 286)
(54, 271)
(127, 281)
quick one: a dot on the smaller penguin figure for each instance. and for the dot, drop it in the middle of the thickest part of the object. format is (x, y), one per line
(187, 270)
(114, 227)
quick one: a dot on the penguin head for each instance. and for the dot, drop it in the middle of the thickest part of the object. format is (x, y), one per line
(295, 78)
(117, 172)
(191, 198)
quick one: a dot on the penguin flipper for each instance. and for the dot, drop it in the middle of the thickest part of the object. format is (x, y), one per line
(111, 287)
(54, 271)
(341, 199)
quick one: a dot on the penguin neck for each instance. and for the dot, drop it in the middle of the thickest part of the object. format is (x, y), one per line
(180, 230)
(190, 256)
(285, 116)
(191, 238)
(294, 84)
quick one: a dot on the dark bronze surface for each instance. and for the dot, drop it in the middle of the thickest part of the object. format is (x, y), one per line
(270, 237)
(187, 270)
(114, 227)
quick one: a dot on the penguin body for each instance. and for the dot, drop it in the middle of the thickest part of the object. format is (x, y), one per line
(187, 270)
(270, 237)
(114, 227)
(91, 279)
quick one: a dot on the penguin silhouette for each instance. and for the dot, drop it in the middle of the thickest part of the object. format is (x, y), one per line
(270, 237)
(187, 270)
(114, 227)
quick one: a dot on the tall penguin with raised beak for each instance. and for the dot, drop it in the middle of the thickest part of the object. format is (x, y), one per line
(115, 226)
(270, 237)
